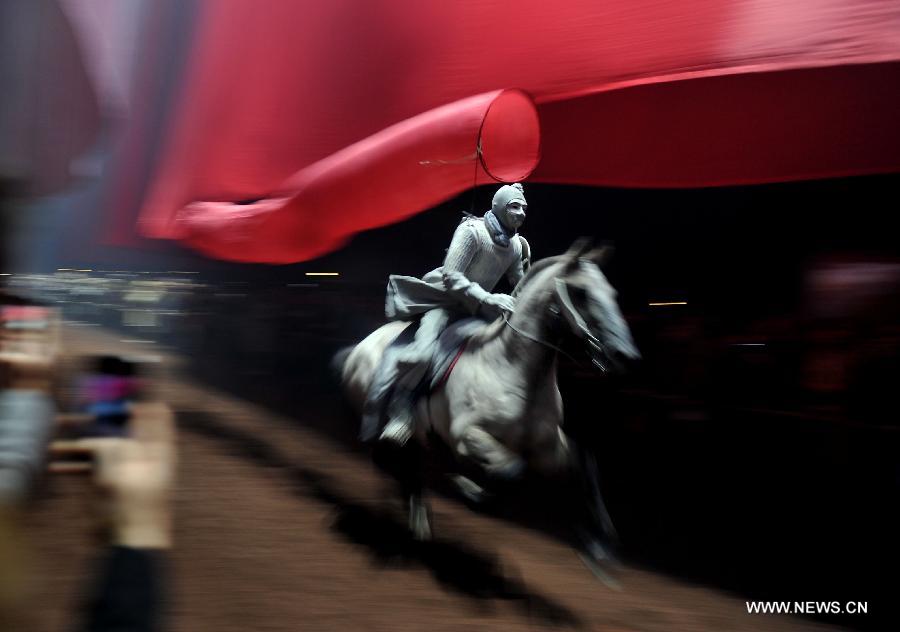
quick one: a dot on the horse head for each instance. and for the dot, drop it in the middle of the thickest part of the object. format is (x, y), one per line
(587, 305)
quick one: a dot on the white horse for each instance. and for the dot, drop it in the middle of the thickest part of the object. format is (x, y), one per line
(500, 409)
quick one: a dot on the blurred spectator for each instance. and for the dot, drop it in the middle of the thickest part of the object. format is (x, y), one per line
(49, 115)
(106, 397)
(27, 362)
(133, 471)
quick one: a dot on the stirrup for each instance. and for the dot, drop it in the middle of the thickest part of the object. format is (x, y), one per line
(397, 432)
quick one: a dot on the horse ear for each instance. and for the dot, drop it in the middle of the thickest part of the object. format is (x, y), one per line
(601, 255)
(578, 248)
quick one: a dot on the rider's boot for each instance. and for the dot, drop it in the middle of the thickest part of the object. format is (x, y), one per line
(400, 427)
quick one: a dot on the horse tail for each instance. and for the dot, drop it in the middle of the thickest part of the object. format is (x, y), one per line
(338, 361)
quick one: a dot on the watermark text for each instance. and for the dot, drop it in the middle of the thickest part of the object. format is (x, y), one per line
(807, 607)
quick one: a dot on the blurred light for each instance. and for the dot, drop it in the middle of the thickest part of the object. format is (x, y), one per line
(667, 304)
(322, 273)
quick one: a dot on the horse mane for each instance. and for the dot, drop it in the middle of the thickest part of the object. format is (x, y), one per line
(493, 329)
(533, 271)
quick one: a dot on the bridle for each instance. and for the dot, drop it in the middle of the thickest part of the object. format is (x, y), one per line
(566, 308)
(569, 311)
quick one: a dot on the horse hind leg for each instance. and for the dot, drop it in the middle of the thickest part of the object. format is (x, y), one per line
(405, 465)
(419, 518)
(412, 489)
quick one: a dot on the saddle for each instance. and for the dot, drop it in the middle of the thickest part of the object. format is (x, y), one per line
(449, 348)
(446, 352)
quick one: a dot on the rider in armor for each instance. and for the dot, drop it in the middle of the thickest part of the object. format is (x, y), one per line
(483, 250)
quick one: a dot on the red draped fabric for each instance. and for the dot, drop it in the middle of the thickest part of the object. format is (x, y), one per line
(340, 116)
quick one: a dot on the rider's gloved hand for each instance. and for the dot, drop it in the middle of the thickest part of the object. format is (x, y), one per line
(495, 304)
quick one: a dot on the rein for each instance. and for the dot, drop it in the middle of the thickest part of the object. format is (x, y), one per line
(549, 345)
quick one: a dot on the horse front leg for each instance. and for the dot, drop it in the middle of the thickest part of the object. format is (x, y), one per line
(561, 456)
(499, 465)
(485, 465)
(598, 534)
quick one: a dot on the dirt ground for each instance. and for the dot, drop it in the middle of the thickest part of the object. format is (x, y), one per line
(280, 528)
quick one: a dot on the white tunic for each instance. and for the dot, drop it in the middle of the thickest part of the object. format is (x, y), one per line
(473, 266)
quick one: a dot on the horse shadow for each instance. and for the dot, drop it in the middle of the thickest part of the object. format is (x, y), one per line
(458, 567)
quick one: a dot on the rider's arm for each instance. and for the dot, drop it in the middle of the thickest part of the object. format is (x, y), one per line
(518, 267)
(463, 249)
(526, 254)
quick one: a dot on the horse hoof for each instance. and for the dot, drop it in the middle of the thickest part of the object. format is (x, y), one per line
(602, 555)
(421, 530)
(419, 522)
(600, 559)
(600, 570)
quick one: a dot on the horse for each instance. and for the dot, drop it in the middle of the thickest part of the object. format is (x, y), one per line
(500, 410)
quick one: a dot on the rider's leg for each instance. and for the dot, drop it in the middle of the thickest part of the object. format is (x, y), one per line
(410, 360)
(383, 380)
(383, 383)
(412, 366)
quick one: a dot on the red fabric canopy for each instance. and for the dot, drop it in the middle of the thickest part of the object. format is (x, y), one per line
(346, 115)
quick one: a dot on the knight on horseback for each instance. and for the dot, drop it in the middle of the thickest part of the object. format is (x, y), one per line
(482, 251)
